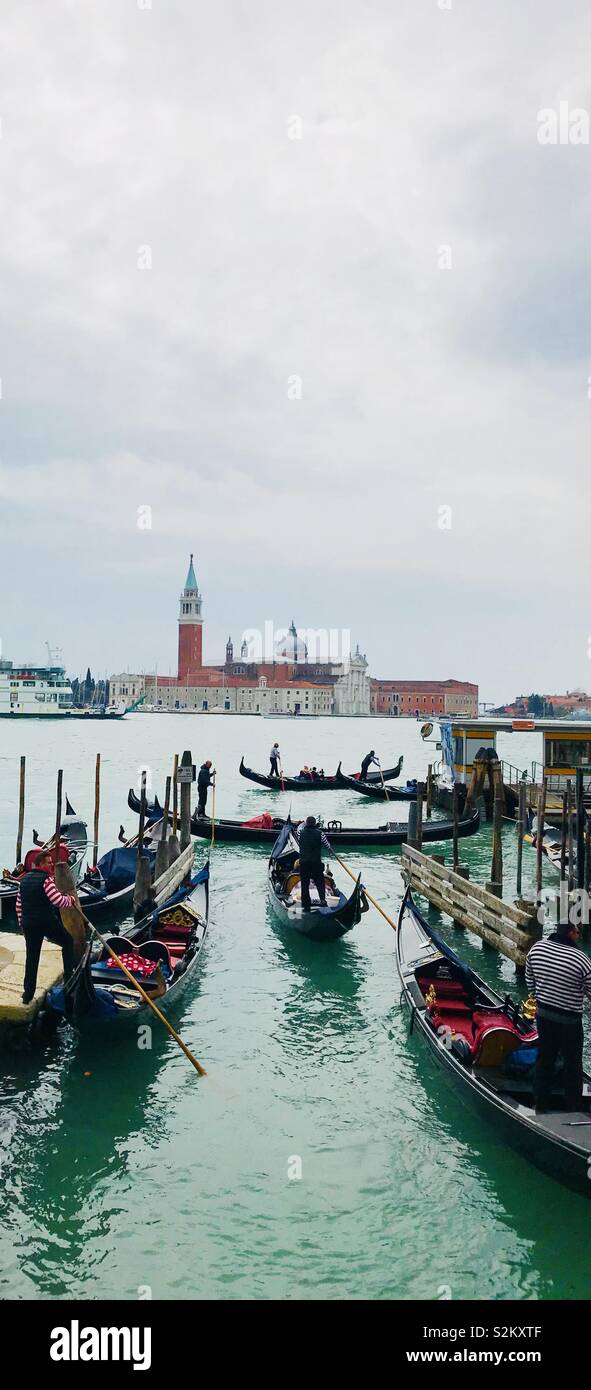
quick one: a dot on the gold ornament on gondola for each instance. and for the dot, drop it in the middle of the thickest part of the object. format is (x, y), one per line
(528, 1007)
(431, 997)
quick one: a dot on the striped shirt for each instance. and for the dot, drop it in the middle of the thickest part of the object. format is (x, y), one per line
(559, 975)
(56, 898)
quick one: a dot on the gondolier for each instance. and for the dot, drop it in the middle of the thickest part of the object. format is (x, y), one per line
(275, 757)
(36, 908)
(559, 974)
(311, 840)
(366, 764)
(204, 782)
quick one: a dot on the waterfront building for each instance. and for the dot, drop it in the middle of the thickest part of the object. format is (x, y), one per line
(406, 699)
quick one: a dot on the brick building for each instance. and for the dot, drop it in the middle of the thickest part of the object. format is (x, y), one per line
(409, 698)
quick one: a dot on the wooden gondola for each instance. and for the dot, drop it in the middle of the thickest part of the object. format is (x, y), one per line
(319, 784)
(487, 1050)
(378, 792)
(328, 923)
(167, 943)
(73, 833)
(552, 846)
(264, 829)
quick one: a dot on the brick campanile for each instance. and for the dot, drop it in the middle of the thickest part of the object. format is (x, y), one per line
(190, 627)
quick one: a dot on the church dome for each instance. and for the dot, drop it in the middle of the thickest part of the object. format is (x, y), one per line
(292, 647)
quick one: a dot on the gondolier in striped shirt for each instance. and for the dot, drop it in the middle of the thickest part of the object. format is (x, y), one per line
(311, 840)
(274, 757)
(559, 974)
(37, 902)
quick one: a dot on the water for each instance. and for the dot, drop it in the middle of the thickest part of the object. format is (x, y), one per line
(123, 1174)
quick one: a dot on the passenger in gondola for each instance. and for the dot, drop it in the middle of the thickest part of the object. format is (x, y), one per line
(275, 757)
(314, 775)
(559, 974)
(366, 764)
(37, 902)
(204, 781)
(311, 840)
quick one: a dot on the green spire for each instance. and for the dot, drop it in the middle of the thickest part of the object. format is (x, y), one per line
(191, 582)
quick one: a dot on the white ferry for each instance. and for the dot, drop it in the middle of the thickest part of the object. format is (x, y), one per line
(34, 692)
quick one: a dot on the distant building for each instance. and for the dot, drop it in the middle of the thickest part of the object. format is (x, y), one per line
(406, 699)
(289, 683)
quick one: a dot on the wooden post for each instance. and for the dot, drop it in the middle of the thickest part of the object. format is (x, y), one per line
(162, 860)
(21, 813)
(411, 834)
(186, 783)
(97, 807)
(143, 877)
(175, 793)
(539, 838)
(580, 804)
(456, 854)
(521, 813)
(587, 871)
(569, 831)
(429, 790)
(58, 815)
(563, 839)
(496, 872)
(420, 795)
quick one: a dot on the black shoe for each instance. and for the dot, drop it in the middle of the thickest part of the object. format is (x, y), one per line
(28, 998)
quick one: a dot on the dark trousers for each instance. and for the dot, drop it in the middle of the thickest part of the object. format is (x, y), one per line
(274, 768)
(364, 772)
(312, 873)
(34, 938)
(202, 800)
(565, 1040)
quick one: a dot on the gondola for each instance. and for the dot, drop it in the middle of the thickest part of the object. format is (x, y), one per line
(380, 793)
(73, 833)
(318, 784)
(355, 836)
(328, 923)
(166, 946)
(108, 889)
(552, 846)
(486, 1048)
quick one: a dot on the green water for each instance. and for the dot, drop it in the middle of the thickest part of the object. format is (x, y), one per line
(139, 1178)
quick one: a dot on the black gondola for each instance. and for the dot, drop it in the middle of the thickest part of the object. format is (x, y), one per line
(487, 1051)
(328, 923)
(355, 836)
(73, 832)
(168, 944)
(378, 792)
(318, 784)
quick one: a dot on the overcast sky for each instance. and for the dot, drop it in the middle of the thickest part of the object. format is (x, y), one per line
(166, 135)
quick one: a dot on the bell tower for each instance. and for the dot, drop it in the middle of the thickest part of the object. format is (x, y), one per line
(190, 627)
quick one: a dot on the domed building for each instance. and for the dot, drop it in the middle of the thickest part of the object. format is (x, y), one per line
(291, 648)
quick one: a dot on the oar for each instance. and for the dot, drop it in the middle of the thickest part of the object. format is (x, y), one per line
(197, 1065)
(384, 784)
(368, 895)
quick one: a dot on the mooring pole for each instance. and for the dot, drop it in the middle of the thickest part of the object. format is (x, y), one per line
(97, 808)
(454, 803)
(496, 871)
(58, 815)
(580, 804)
(521, 813)
(21, 813)
(569, 831)
(420, 795)
(162, 860)
(175, 793)
(186, 779)
(143, 877)
(540, 837)
(429, 790)
(563, 837)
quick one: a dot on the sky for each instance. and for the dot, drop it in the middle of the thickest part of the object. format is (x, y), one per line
(298, 288)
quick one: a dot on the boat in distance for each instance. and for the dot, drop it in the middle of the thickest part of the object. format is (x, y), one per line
(378, 792)
(162, 952)
(327, 923)
(314, 784)
(487, 1051)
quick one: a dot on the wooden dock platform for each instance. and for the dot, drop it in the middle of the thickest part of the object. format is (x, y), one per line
(507, 927)
(12, 973)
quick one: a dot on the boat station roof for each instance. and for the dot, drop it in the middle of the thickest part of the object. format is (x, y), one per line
(520, 726)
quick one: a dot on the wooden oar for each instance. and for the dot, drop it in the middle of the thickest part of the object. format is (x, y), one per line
(384, 785)
(368, 895)
(146, 998)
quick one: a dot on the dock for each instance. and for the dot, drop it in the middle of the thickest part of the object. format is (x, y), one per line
(509, 928)
(12, 972)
